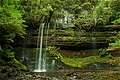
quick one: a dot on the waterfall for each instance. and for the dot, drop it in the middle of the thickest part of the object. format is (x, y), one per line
(40, 65)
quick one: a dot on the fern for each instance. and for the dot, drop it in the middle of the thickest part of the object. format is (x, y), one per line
(116, 44)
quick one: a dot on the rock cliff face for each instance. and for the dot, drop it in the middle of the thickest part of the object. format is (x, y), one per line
(74, 40)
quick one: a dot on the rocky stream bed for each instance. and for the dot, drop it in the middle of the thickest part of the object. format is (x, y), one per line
(11, 73)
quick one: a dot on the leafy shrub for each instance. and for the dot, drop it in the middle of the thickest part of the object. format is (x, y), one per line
(53, 51)
(104, 53)
(11, 22)
(9, 58)
(116, 21)
(7, 54)
(116, 44)
(11, 17)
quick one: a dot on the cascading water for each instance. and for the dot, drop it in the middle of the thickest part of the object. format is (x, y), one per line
(40, 65)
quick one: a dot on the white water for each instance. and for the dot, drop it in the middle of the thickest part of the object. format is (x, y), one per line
(40, 65)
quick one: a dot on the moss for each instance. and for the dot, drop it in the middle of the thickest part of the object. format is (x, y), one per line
(82, 62)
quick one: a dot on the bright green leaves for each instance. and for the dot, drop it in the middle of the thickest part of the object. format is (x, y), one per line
(11, 22)
(116, 11)
(102, 12)
(11, 19)
(53, 51)
(11, 25)
(116, 44)
(116, 21)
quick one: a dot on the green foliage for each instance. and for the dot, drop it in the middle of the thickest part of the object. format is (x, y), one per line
(104, 53)
(116, 11)
(102, 12)
(85, 14)
(18, 64)
(116, 44)
(116, 21)
(7, 54)
(39, 11)
(82, 14)
(11, 22)
(79, 62)
(6, 39)
(11, 18)
(53, 51)
(9, 58)
(11, 25)
(85, 21)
